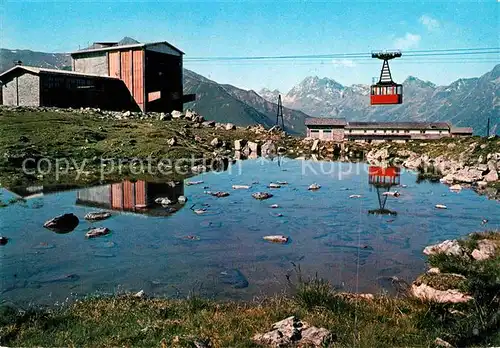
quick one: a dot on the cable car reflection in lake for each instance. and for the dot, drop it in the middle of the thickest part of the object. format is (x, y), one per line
(138, 196)
(383, 179)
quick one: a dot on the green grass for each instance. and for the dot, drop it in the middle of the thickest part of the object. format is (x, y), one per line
(79, 137)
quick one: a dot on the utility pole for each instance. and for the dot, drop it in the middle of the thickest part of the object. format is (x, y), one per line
(280, 113)
(488, 128)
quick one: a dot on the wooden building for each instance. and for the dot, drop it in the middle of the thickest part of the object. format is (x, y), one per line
(31, 86)
(152, 72)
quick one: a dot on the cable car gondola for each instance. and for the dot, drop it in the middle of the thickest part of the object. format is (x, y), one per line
(386, 91)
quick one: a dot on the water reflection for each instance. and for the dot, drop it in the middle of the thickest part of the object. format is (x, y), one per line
(133, 196)
(382, 179)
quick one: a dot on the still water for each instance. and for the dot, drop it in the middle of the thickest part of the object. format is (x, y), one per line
(148, 248)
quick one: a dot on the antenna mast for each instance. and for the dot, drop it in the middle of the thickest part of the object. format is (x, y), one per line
(280, 113)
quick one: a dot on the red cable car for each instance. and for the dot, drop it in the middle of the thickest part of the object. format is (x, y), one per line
(386, 91)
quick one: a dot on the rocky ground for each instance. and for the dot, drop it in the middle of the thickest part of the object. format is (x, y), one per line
(469, 162)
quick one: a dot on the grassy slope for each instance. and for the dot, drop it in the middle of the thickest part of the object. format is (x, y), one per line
(77, 136)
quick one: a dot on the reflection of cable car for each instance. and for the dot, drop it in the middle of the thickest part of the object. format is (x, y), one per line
(386, 91)
(383, 179)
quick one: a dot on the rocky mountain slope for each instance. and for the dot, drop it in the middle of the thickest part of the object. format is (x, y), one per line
(465, 102)
(40, 59)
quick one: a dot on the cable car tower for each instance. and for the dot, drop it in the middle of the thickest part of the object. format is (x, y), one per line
(386, 91)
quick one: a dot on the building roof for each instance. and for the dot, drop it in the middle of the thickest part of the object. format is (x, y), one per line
(37, 71)
(118, 47)
(319, 121)
(462, 130)
(398, 125)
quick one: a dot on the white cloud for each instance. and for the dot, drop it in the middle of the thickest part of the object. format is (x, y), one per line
(408, 41)
(429, 22)
(347, 63)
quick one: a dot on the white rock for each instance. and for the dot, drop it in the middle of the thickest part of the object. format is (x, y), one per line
(485, 250)
(182, 199)
(177, 114)
(140, 294)
(456, 187)
(448, 247)
(425, 292)
(276, 238)
(441, 206)
(315, 145)
(230, 126)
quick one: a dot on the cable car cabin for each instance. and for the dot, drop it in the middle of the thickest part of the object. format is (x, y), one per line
(384, 94)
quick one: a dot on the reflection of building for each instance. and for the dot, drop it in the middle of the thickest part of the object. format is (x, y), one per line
(383, 179)
(340, 129)
(136, 196)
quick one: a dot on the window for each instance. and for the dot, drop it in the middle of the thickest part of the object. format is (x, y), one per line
(407, 131)
(328, 131)
(364, 131)
(314, 130)
(422, 132)
(375, 131)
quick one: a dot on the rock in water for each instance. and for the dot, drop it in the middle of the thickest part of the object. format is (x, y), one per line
(62, 224)
(3, 240)
(235, 278)
(261, 195)
(314, 187)
(241, 187)
(182, 199)
(97, 232)
(276, 239)
(441, 206)
(273, 185)
(97, 216)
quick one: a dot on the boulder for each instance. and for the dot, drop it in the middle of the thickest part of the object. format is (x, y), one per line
(315, 145)
(456, 187)
(238, 144)
(3, 240)
(253, 147)
(268, 148)
(216, 142)
(140, 294)
(208, 124)
(182, 199)
(492, 176)
(97, 216)
(177, 114)
(164, 116)
(230, 126)
(276, 239)
(261, 195)
(97, 232)
(485, 250)
(235, 278)
(442, 343)
(172, 141)
(314, 187)
(293, 332)
(199, 119)
(275, 129)
(468, 175)
(191, 114)
(428, 293)
(481, 185)
(448, 247)
(62, 224)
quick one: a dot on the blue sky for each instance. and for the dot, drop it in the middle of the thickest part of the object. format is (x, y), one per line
(263, 28)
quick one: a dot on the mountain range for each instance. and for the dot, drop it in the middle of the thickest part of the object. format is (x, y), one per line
(465, 102)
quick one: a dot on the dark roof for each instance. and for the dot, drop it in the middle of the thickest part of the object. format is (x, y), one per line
(37, 71)
(319, 121)
(398, 125)
(462, 130)
(128, 45)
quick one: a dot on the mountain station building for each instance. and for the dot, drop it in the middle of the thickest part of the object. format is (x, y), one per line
(337, 129)
(125, 75)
